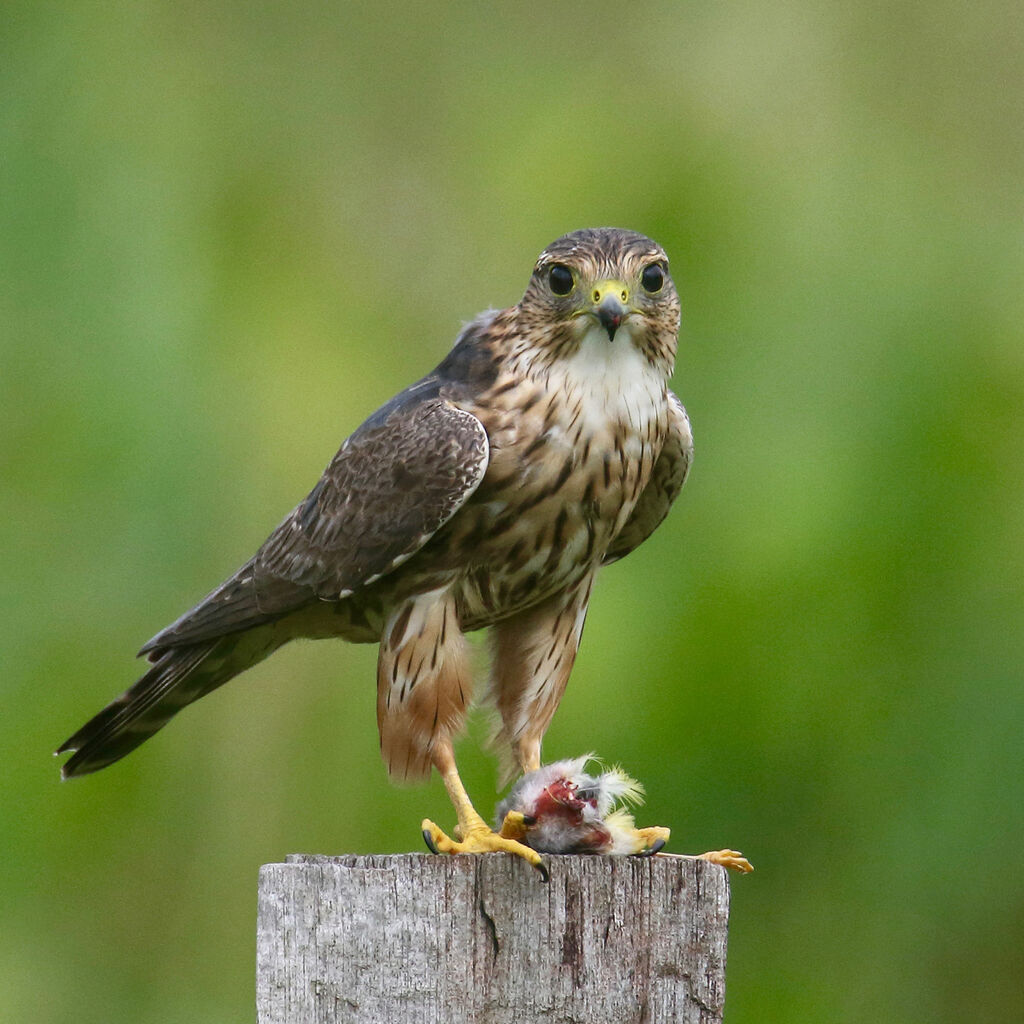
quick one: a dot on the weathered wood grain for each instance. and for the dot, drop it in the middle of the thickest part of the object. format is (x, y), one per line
(437, 940)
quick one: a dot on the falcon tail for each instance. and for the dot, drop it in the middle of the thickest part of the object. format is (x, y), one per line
(178, 676)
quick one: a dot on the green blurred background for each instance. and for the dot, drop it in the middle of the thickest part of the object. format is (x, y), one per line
(228, 231)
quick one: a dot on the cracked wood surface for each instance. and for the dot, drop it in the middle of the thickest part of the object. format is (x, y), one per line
(433, 940)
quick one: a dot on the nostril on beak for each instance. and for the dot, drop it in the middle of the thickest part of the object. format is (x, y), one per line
(611, 312)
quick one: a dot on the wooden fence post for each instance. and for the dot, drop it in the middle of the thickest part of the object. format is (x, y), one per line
(419, 939)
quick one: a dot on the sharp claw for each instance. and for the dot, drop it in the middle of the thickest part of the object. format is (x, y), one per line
(480, 839)
(429, 840)
(542, 868)
(651, 850)
(529, 820)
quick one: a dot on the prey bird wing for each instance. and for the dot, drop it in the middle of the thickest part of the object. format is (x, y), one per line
(667, 479)
(395, 482)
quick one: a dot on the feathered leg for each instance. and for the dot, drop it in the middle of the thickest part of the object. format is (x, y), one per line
(423, 683)
(532, 655)
(423, 690)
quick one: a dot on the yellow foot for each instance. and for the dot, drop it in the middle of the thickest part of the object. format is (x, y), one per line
(480, 839)
(729, 859)
(650, 840)
(515, 825)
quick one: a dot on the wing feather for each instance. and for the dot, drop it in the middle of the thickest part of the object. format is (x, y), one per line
(385, 494)
(395, 482)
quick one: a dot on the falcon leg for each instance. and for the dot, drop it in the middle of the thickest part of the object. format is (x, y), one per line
(528, 755)
(532, 655)
(473, 835)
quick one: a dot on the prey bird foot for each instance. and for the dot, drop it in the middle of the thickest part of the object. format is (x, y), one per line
(480, 839)
(729, 859)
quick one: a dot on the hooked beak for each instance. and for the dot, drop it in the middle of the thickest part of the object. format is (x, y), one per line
(610, 307)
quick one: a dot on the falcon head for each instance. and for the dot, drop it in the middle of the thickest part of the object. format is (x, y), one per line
(602, 286)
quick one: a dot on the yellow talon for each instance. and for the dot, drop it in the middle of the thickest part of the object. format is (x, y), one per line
(472, 833)
(480, 839)
(729, 859)
(515, 825)
(651, 839)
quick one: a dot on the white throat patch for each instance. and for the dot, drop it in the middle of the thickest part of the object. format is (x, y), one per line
(618, 382)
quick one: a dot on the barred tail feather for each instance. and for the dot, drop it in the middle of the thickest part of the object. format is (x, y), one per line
(179, 676)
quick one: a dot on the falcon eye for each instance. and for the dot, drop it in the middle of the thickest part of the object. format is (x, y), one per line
(653, 278)
(560, 279)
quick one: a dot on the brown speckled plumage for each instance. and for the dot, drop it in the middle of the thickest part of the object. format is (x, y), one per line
(488, 494)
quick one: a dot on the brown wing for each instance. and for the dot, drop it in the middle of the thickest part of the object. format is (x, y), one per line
(395, 482)
(387, 492)
(662, 489)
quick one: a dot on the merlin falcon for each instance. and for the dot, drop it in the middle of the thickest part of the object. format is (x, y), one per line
(488, 494)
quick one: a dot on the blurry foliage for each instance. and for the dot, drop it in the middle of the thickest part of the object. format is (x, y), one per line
(228, 232)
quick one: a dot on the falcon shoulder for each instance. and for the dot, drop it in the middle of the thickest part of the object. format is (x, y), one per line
(667, 479)
(394, 483)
